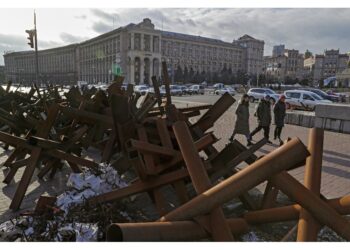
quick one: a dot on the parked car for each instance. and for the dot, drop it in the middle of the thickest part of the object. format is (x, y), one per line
(184, 90)
(218, 86)
(162, 90)
(124, 86)
(196, 89)
(323, 94)
(342, 97)
(224, 90)
(141, 89)
(175, 90)
(256, 94)
(303, 99)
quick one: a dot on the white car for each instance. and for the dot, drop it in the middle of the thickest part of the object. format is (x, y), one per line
(224, 90)
(303, 99)
(141, 89)
(256, 94)
(175, 90)
(219, 86)
(196, 89)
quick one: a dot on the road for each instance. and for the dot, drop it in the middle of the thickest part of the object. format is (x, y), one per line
(208, 99)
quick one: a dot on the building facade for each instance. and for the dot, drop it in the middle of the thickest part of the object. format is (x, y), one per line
(200, 54)
(254, 54)
(2, 74)
(55, 65)
(331, 62)
(136, 51)
(278, 50)
(290, 65)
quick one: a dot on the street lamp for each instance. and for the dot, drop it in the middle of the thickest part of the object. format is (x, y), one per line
(33, 43)
(170, 63)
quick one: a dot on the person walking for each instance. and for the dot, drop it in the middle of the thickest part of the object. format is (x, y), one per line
(263, 114)
(279, 111)
(242, 119)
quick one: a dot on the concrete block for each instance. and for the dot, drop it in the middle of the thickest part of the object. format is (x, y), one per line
(319, 122)
(334, 125)
(307, 121)
(333, 111)
(346, 127)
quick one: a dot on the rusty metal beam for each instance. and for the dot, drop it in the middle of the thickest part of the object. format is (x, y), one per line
(166, 82)
(220, 168)
(320, 210)
(86, 116)
(145, 147)
(291, 212)
(308, 227)
(259, 171)
(70, 158)
(164, 136)
(214, 113)
(200, 180)
(200, 144)
(168, 231)
(35, 155)
(108, 150)
(140, 186)
(157, 94)
(270, 196)
(149, 161)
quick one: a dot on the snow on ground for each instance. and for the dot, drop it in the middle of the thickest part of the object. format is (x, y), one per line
(81, 186)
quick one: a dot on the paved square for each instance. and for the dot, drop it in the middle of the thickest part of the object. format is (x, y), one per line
(335, 175)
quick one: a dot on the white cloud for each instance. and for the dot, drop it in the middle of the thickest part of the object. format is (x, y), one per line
(313, 29)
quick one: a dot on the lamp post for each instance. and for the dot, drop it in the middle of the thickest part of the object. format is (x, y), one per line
(170, 63)
(33, 43)
(36, 51)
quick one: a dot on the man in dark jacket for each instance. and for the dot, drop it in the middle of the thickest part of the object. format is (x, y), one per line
(263, 114)
(280, 112)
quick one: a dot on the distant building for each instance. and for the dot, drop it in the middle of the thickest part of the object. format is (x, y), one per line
(343, 78)
(278, 50)
(2, 74)
(55, 65)
(327, 65)
(136, 51)
(289, 65)
(254, 54)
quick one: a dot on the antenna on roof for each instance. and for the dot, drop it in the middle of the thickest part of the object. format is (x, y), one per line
(162, 23)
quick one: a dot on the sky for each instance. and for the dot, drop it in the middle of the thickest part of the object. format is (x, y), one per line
(315, 29)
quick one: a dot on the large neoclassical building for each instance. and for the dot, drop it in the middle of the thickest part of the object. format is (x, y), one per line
(136, 51)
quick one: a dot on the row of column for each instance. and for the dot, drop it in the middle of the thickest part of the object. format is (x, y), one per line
(142, 42)
(152, 69)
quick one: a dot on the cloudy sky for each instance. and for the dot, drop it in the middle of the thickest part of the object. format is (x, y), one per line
(313, 29)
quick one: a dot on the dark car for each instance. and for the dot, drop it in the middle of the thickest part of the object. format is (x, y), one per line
(323, 94)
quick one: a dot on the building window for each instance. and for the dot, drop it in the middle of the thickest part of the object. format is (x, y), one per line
(137, 41)
(147, 42)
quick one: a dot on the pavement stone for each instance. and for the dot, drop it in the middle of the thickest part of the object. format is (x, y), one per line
(335, 174)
